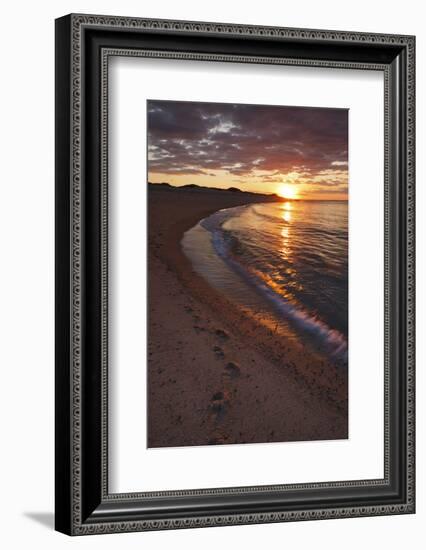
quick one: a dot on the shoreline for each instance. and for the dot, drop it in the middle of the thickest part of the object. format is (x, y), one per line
(215, 374)
(229, 278)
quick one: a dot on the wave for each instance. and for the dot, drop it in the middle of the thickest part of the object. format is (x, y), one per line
(269, 217)
(293, 270)
(334, 342)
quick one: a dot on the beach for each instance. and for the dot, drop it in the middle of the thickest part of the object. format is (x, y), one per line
(215, 374)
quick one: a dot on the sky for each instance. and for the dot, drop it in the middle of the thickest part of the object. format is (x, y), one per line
(297, 152)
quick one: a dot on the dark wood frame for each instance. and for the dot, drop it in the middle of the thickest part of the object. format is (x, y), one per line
(83, 46)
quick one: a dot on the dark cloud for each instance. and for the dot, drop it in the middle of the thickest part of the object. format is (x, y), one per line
(196, 138)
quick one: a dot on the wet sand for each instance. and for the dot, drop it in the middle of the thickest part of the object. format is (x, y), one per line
(215, 374)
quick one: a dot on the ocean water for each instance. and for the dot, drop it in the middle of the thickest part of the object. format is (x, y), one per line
(285, 263)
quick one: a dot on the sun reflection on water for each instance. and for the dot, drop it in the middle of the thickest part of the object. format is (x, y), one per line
(285, 231)
(286, 211)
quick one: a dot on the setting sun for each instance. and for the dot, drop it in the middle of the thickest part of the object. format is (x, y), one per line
(287, 191)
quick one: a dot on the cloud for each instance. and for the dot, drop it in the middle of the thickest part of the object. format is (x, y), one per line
(245, 140)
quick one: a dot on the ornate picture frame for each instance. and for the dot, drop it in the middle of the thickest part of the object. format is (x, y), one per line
(84, 45)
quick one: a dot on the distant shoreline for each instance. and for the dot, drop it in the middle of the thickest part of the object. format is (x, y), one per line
(201, 188)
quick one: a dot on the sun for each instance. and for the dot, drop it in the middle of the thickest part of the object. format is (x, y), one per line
(287, 191)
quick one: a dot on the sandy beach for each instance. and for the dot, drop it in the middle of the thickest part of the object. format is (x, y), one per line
(215, 375)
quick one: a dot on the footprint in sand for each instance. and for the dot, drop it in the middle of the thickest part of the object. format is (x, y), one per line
(218, 402)
(218, 406)
(232, 369)
(218, 351)
(222, 334)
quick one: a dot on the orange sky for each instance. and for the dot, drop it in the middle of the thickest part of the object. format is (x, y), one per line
(296, 152)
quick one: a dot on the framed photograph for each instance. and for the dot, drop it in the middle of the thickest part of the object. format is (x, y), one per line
(234, 274)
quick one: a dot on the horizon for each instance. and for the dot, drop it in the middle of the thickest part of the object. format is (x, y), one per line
(236, 189)
(296, 153)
